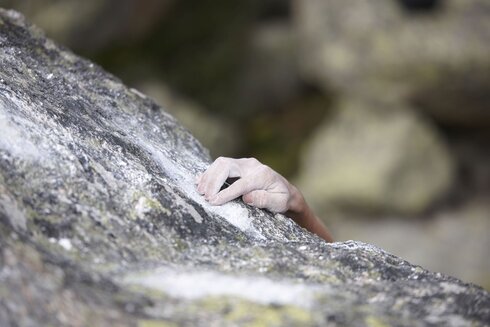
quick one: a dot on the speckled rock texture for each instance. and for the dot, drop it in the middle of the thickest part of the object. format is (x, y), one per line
(100, 223)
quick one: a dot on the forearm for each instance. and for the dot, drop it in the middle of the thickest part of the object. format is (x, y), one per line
(302, 214)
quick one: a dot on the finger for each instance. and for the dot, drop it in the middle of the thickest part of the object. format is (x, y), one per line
(216, 174)
(256, 198)
(198, 178)
(209, 173)
(215, 181)
(275, 202)
(239, 188)
(200, 185)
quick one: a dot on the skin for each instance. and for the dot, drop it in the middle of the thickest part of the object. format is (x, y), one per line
(261, 187)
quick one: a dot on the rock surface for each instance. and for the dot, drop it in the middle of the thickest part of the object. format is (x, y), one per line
(455, 241)
(100, 223)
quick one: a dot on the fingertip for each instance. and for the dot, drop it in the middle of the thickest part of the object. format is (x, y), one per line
(248, 199)
(198, 178)
(213, 200)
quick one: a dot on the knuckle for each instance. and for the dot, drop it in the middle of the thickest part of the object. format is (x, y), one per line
(246, 183)
(221, 159)
(263, 170)
(222, 163)
(282, 206)
(253, 161)
(262, 201)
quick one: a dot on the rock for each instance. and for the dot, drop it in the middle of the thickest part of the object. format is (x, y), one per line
(100, 223)
(454, 240)
(437, 58)
(379, 42)
(373, 157)
(418, 55)
(457, 100)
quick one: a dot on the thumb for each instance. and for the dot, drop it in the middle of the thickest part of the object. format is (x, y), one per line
(256, 198)
(275, 202)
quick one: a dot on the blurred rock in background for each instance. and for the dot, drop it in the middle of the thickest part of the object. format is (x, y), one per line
(91, 26)
(376, 157)
(379, 109)
(429, 60)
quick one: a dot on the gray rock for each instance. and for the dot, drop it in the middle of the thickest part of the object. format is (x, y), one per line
(433, 62)
(100, 223)
(377, 157)
(437, 59)
(379, 41)
(455, 241)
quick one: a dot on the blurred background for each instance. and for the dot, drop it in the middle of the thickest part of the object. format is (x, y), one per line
(378, 110)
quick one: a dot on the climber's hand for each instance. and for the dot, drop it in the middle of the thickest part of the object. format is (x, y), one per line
(257, 184)
(261, 187)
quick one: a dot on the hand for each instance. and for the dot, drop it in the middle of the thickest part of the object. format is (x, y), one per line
(261, 187)
(258, 185)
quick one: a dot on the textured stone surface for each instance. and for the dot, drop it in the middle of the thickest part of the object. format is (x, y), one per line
(100, 223)
(453, 241)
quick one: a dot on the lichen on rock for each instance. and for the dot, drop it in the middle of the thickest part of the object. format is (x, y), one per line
(100, 221)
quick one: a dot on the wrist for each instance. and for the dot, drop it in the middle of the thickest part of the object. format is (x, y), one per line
(296, 203)
(301, 213)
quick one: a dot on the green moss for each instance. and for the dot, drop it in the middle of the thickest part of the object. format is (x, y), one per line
(156, 205)
(52, 219)
(245, 313)
(180, 245)
(372, 321)
(146, 202)
(155, 323)
(94, 141)
(133, 288)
